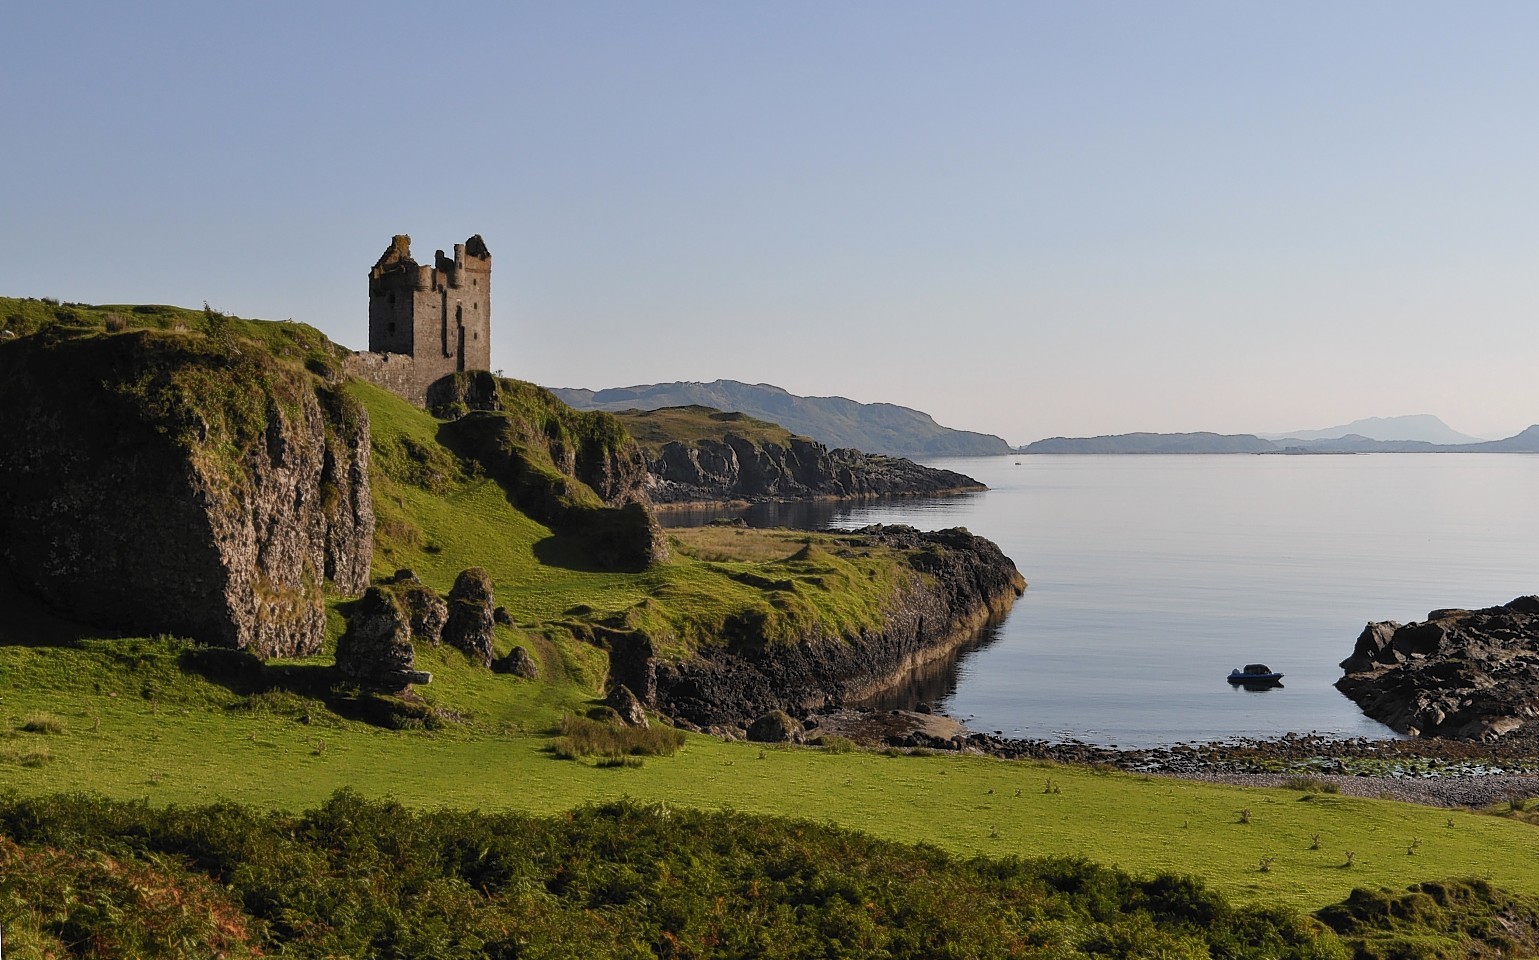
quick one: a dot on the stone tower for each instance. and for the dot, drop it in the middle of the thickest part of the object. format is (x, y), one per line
(439, 316)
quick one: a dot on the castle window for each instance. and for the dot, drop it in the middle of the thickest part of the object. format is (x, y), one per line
(391, 300)
(391, 328)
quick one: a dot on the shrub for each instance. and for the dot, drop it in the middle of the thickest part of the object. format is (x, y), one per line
(1311, 785)
(619, 762)
(582, 737)
(42, 723)
(836, 744)
(33, 757)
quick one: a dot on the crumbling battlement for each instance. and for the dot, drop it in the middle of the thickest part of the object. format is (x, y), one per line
(427, 322)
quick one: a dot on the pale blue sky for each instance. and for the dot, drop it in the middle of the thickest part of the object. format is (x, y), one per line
(1025, 218)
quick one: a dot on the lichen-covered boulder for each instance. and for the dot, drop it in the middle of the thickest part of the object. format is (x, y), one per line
(777, 726)
(625, 704)
(376, 649)
(428, 612)
(471, 620)
(519, 663)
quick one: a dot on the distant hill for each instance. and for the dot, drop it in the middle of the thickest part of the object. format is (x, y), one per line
(1525, 442)
(1421, 426)
(1154, 443)
(883, 428)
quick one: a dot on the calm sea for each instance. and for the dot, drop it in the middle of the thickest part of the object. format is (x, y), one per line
(1152, 576)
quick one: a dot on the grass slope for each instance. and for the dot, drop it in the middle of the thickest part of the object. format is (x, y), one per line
(151, 718)
(132, 723)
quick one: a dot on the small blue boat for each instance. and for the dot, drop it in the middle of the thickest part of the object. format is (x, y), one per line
(1254, 673)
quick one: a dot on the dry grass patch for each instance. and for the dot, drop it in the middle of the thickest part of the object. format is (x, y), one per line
(726, 544)
(43, 723)
(613, 742)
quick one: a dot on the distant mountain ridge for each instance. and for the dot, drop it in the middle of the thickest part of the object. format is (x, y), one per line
(1154, 443)
(1145, 443)
(1422, 427)
(879, 428)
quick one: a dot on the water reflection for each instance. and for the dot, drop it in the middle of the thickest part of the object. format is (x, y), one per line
(800, 514)
(933, 682)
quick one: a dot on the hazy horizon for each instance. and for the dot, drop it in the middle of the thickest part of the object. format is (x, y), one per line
(1033, 220)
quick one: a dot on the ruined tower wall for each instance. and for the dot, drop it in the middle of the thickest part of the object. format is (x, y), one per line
(438, 316)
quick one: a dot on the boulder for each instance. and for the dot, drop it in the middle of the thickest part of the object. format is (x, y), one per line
(519, 663)
(376, 649)
(470, 624)
(1370, 647)
(625, 704)
(777, 726)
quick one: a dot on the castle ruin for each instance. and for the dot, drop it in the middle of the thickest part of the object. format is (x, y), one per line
(427, 322)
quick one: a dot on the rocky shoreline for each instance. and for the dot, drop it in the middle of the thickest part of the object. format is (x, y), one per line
(737, 468)
(1446, 773)
(1461, 674)
(955, 582)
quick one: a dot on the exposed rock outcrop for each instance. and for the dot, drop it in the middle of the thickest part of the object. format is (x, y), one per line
(627, 707)
(955, 582)
(1460, 674)
(739, 468)
(376, 650)
(471, 622)
(427, 610)
(154, 482)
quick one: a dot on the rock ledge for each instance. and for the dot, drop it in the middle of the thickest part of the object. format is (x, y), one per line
(1460, 674)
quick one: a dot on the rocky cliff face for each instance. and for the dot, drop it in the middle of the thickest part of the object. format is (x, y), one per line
(956, 582)
(1461, 674)
(738, 468)
(180, 483)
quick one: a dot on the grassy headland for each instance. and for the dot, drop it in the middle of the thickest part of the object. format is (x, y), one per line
(161, 720)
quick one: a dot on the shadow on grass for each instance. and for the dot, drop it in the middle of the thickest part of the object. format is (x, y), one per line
(569, 552)
(300, 691)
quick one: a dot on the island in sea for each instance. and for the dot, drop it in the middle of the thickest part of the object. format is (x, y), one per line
(1418, 433)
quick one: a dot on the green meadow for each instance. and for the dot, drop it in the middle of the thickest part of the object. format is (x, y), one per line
(158, 719)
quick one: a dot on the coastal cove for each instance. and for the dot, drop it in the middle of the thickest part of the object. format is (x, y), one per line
(1152, 577)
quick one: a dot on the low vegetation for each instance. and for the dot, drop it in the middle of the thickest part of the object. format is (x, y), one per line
(608, 739)
(363, 878)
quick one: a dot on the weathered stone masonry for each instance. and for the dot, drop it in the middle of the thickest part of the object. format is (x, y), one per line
(427, 322)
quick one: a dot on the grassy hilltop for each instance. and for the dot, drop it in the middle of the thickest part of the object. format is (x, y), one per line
(160, 720)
